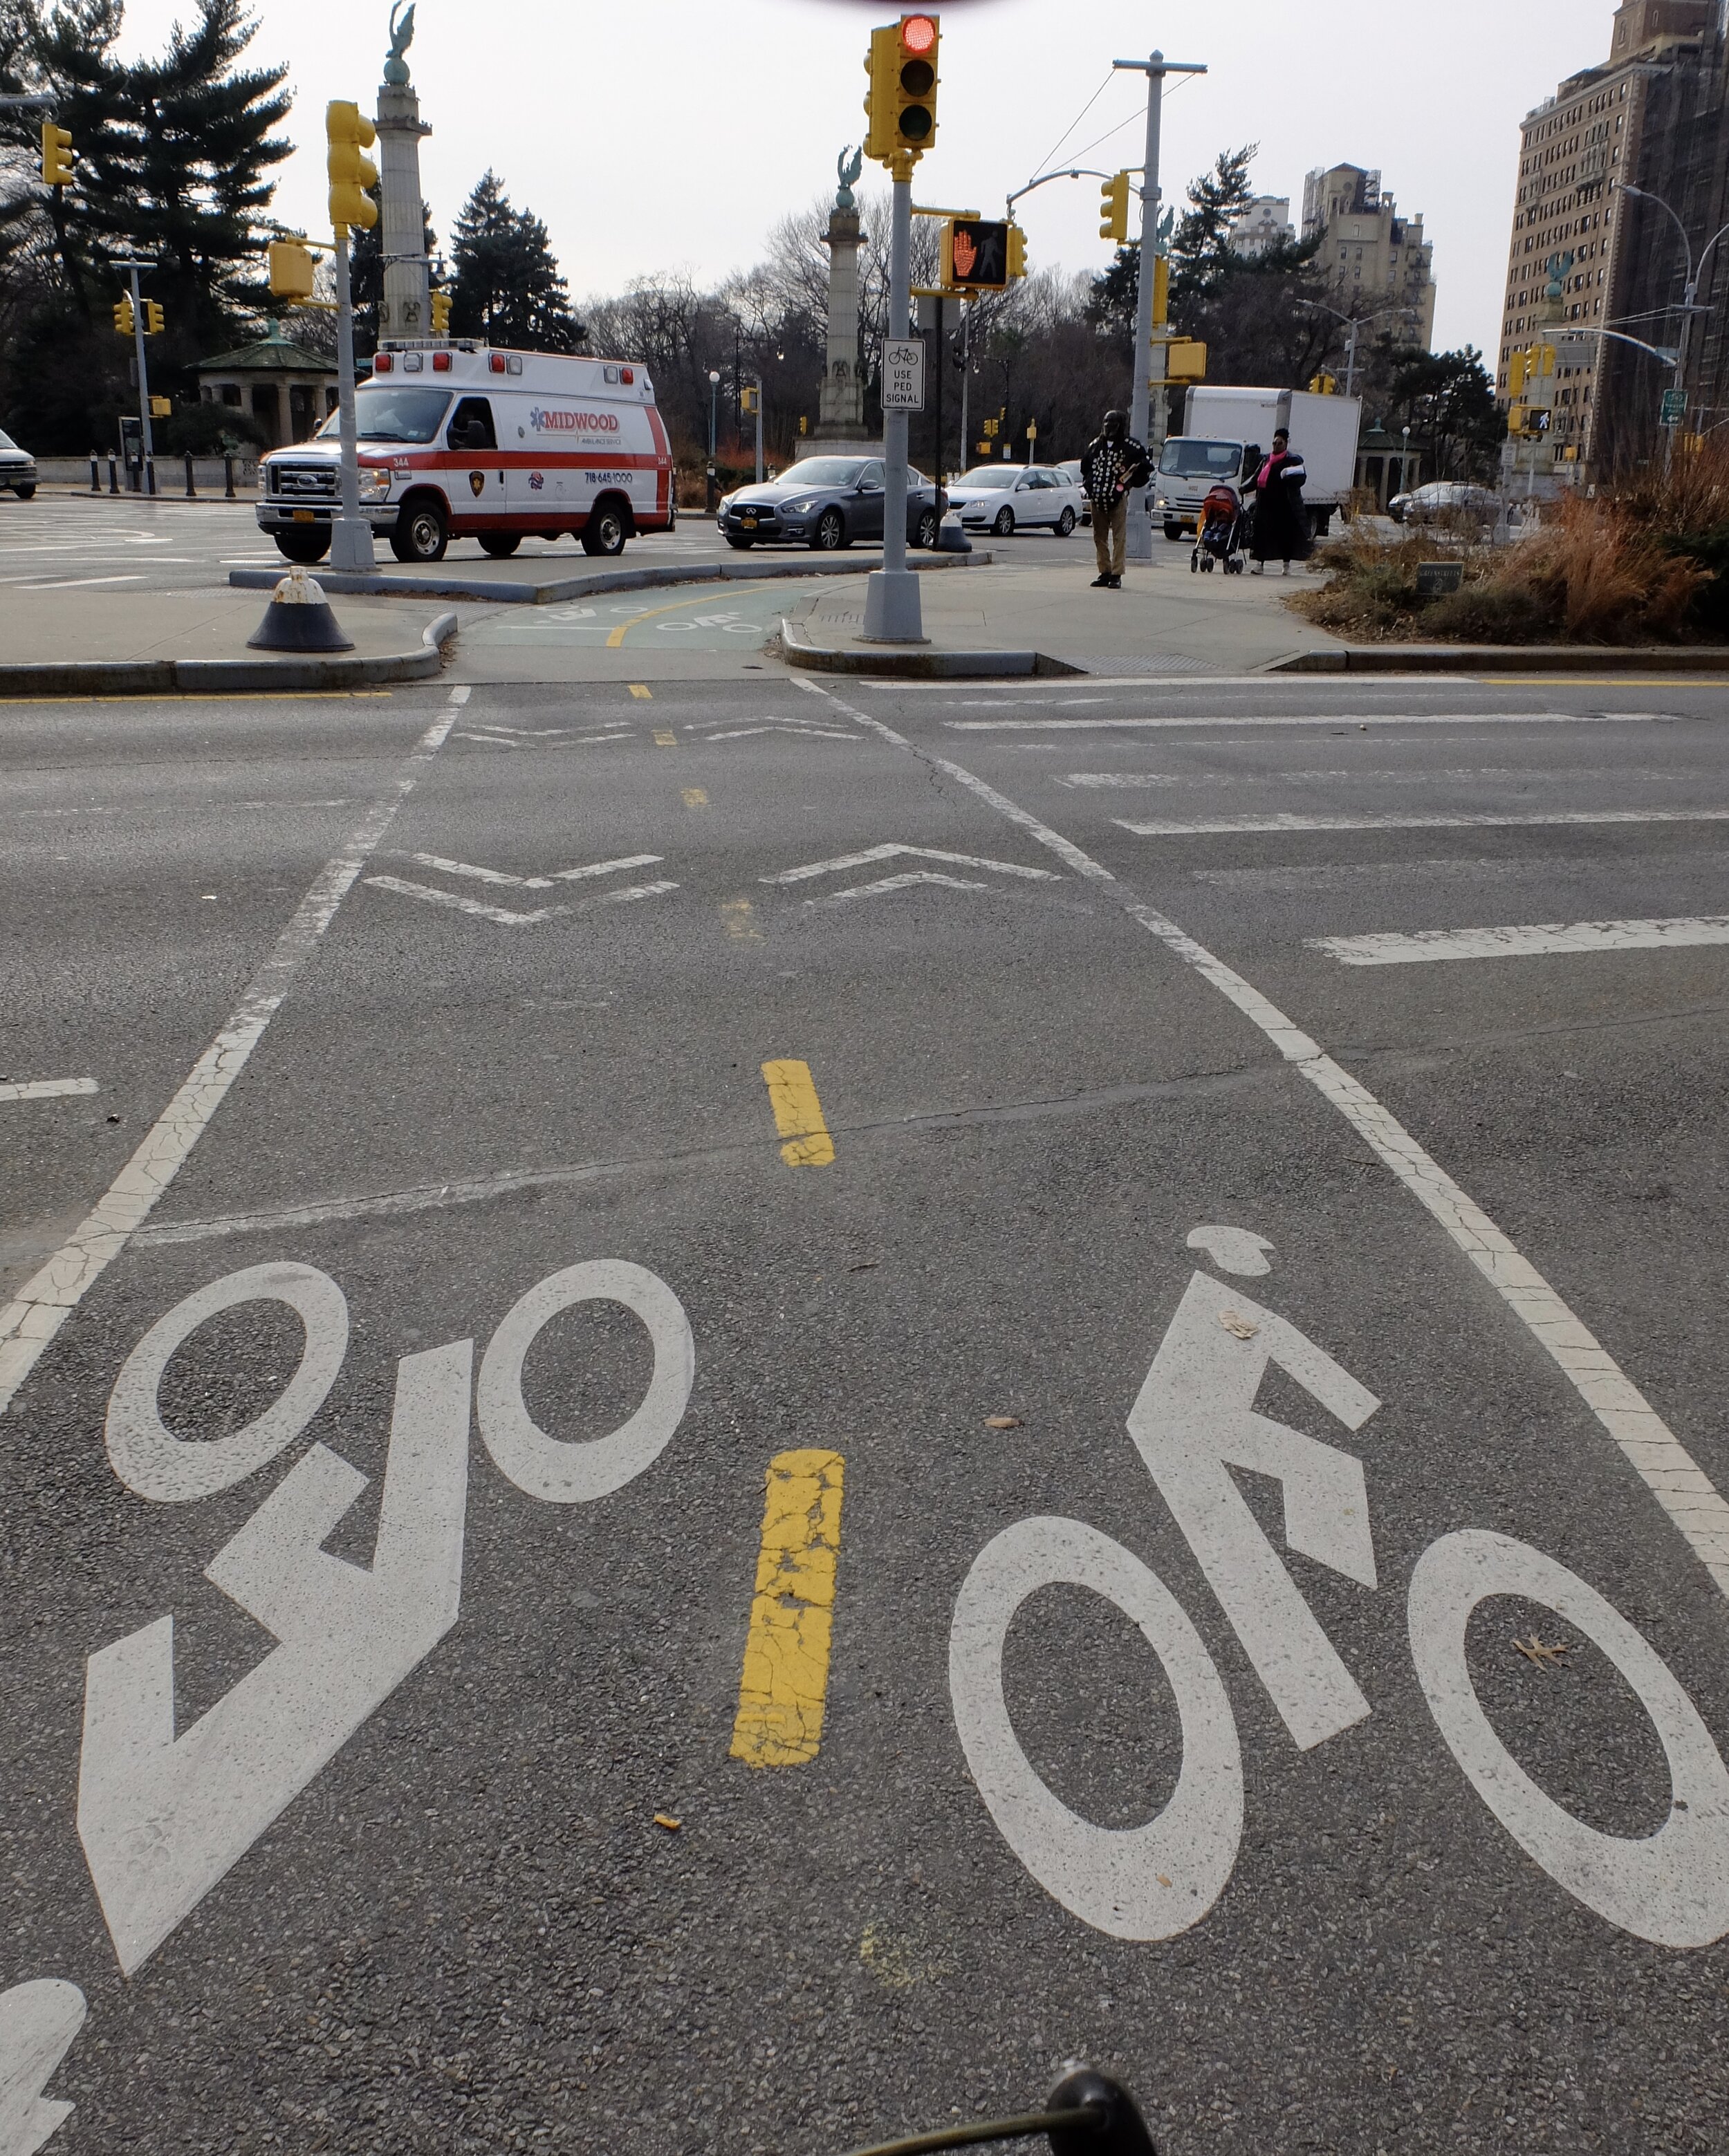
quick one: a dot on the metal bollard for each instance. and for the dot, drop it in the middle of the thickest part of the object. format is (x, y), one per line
(113, 473)
(95, 473)
(150, 475)
(227, 473)
(192, 492)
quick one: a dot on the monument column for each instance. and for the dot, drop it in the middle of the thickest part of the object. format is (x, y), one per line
(840, 419)
(406, 309)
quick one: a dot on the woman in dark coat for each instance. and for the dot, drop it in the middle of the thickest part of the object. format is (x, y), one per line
(1281, 525)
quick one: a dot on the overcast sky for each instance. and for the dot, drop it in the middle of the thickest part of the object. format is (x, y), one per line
(658, 135)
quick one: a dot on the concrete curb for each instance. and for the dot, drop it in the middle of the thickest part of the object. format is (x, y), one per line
(1506, 658)
(591, 581)
(168, 677)
(917, 664)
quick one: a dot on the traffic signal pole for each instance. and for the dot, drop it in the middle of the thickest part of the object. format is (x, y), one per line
(351, 536)
(146, 442)
(1144, 410)
(893, 612)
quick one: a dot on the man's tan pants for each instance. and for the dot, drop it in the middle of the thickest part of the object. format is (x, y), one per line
(1111, 534)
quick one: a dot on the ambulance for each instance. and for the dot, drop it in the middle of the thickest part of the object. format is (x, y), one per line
(462, 440)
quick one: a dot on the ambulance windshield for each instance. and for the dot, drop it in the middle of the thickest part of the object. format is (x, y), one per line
(393, 415)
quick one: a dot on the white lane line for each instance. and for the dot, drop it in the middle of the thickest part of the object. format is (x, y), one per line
(383, 1205)
(458, 904)
(1167, 719)
(1081, 781)
(1694, 1505)
(889, 853)
(83, 583)
(1544, 939)
(43, 1306)
(47, 1089)
(1175, 827)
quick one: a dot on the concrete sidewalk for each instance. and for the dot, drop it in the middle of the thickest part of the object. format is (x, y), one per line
(1166, 619)
(84, 640)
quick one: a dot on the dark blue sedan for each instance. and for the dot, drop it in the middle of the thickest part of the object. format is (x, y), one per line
(826, 502)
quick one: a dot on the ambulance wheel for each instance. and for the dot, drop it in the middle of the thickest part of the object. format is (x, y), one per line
(500, 545)
(606, 530)
(422, 532)
(303, 547)
(1065, 524)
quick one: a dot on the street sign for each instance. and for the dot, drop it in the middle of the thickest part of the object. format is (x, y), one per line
(1675, 407)
(903, 375)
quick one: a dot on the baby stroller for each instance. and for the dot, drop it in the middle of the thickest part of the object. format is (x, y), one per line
(1221, 533)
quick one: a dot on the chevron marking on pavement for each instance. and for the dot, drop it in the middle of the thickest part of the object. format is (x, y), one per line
(527, 883)
(457, 903)
(889, 853)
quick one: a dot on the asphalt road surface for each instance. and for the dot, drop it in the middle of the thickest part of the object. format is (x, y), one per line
(633, 1315)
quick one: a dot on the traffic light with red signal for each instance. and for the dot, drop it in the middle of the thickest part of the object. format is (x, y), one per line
(902, 105)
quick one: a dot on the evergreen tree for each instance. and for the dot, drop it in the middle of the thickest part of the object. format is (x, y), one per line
(1201, 249)
(508, 288)
(1449, 399)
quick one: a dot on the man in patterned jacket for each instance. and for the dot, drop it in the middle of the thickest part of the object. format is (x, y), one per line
(1113, 465)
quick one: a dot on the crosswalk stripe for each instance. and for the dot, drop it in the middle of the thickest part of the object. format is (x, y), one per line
(1543, 939)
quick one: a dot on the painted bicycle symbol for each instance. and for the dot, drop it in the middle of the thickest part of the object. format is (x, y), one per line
(1195, 1420)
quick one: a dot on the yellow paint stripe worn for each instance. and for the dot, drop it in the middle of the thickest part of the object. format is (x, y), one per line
(798, 1115)
(616, 639)
(783, 1689)
(642, 691)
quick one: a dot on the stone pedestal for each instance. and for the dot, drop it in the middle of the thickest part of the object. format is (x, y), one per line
(841, 420)
(406, 311)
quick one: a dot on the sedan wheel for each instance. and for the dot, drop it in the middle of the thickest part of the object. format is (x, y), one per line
(925, 536)
(1004, 523)
(1065, 524)
(831, 533)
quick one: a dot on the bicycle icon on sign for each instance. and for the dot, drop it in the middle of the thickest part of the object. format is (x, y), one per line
(1194, 1421)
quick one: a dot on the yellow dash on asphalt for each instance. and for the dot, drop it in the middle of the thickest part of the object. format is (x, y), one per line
(665, 738)
(695, 797)
(642, 689)
(736, 914)
(798, 1115)
(676, 606)
(784, 1689)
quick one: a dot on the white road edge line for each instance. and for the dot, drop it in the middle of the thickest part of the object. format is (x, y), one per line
(1552, 938)
(1695, 1507)
(45, 1303)
(1226, 826)
(46, 1089)
(1168, 719)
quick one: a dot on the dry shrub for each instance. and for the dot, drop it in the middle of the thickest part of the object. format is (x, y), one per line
(1371, 588)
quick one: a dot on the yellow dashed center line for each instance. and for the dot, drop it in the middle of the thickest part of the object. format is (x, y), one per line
(665, 738)
(641, 689)
(709, 598)
(695, 797)
(784, 1689)
(798, 1115)
(738, 916)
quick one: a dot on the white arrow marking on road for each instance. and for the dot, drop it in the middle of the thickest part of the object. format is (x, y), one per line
(38, 2022)
(506, 919)
(898, 883)
(782, 726)
(529, 883)
(46, 1089)
(1546, 939)
(164, 1817)
(842, 861)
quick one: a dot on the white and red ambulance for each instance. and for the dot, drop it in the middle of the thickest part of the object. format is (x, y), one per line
(461, 439)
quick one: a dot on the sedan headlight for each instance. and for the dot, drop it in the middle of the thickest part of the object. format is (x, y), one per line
(374, 482)
(802, 508)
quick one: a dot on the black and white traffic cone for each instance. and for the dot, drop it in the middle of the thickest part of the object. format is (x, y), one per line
(299, 619)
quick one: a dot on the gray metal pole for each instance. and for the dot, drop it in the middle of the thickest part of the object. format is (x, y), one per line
(1139, 538)
(147, 443)
(351, 539)
(893, 612)
(758, 430)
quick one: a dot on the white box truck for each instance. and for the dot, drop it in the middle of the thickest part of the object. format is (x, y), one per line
(1226, 434)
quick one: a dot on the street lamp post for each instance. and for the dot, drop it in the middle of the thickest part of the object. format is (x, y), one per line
(714, 424)
(1354, 323)
(1690, 296)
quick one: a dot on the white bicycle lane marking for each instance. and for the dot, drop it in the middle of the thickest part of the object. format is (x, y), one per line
(42, 1306)
(1694, 1505)
(1194, 1421)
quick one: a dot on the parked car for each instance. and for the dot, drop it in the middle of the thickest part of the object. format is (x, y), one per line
(826, 503)
(1443, 499)
(1007, 498)
(18, 468)
(1070, 473)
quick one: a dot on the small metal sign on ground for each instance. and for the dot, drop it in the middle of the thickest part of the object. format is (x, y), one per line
(903, 375)
(1433, 579)
(1675, 407)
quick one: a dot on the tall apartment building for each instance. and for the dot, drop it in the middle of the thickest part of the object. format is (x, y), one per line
(1371, 255)
(1263, 226)
(1585, 257)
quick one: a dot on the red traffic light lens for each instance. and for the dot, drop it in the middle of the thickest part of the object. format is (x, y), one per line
(919, 33)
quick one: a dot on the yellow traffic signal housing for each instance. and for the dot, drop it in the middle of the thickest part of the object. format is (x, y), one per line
(292, 270)
(1185, 360)
(349, 132)
(125, 321)
(161, 407)
(153, 318)
(902, 105)
(1323, 385)
(750, 399)
(804, 423)
(1518, 367)
(440, 314)
(57, 155)
(1516, 420)
(1114, 209)
(1161, 291)
(1017, 251)
(1544, 359)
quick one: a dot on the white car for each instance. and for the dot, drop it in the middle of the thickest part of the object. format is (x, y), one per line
(18, 468)
(1007, 498)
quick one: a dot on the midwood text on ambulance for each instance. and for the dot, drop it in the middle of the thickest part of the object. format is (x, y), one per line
(463, 440)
